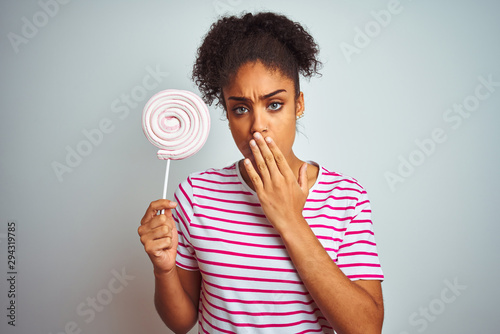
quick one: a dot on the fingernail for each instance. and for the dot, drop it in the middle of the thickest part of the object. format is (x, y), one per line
(257, 135)
(252, 143)
(268, 140)
(247, 162)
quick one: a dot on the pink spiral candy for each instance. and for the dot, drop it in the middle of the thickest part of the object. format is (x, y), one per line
(177, 122)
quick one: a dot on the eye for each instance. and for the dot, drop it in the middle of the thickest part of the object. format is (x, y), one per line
(275, 106)
(240, 110)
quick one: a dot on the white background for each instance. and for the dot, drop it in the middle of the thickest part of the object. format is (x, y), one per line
(435, 226)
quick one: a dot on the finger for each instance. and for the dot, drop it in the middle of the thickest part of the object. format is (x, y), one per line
(159, 232)
(279, 158)
(267, 155)
(154, 247)
(303, 181)
(253, 175)
(154, 207)
(160, 238)
(156, 222)
(260, 163)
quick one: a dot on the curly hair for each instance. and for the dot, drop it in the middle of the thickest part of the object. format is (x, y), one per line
(279, 43)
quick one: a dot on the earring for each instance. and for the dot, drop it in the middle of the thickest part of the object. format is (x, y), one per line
(300, 116)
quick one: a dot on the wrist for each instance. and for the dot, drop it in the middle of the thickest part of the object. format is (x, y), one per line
(293, 226)
(162, 274)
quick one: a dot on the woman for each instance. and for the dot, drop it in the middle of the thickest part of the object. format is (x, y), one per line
(272, 243)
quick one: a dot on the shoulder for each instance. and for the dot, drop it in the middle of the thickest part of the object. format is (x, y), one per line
(210, 177)
(339, 181)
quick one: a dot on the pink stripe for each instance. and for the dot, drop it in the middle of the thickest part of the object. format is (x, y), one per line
(184, 192)
(328, 227)
(355, 221)
(327, 172)
(188, 199)
(264, 302)
(223, 191)
(323, 191)
(215, 182)
(227, 200)
(227, 288)
(183, 244)
(350, 189)
(362, 202)
(261, 314)
(343, 177)
(329, 217)
(332, 182)
(235, 232)
(327, 237)
(360, 232)
(332, 197)
(242, 324)
(341, 180)
(232, 221)
(219, 174)
(358, 242)
(200, 325)
(252, 279)
(185, 267)
(230, 211)
(358, 265)
(180, 220)
(357, 253)
(215, 327)
(189, 256)
(187, 240)
(238, 242)
(315, 330)
(254, 256)
(366, 276)
(230, 265)
(343, 208)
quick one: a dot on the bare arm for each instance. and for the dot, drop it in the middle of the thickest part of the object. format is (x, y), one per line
(176, 290)
(183, 287)
(350, 307)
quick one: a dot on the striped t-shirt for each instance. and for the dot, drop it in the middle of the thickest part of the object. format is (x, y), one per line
(249, 284)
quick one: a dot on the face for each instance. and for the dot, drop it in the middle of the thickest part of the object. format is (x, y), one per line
(263, 100)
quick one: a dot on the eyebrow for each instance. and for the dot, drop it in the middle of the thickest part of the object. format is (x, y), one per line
(241, 98)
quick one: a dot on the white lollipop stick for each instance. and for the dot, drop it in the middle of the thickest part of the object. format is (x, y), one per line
(177, 122)
(165, 184)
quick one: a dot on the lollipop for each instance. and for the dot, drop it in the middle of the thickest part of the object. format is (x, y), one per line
(178, 123)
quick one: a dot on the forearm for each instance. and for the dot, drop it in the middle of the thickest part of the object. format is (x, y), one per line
(173, 304)
(347, 306)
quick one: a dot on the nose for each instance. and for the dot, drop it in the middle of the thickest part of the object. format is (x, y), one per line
(259, 123)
